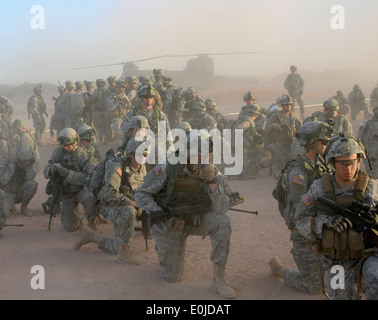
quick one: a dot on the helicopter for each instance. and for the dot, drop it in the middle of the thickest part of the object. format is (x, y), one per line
(198, 70)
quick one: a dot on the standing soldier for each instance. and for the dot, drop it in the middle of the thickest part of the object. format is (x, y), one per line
(281, 128)
(67, 169)
(368, 135)
(58, 117)
(147, 81)
(123, 176)
(118, 106)
(357, 103)
(338, 241)
(158, 83)
(6, 109)
(374, 97)
(297, 178)
(170, 101)
(88, 112)
(37, 108)
(294, 84)
(73, 104)
(112, 84)
(132, 91)
(204, 192)
(101, 118)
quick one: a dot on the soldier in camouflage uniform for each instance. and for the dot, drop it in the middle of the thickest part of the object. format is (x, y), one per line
(158, 83)
(101, 118)
(281, 128)
(73, 105)
(147, 81)
(331, 111)
(118, 106)
(88, 112)
(123, 176)
(171, 185)
(328, 232)
(135, 127)
(357, 103)
(294, 84)
(374, 97)
(17, 182)
(5, 138)
(368, 134)
(202, 120)
(79, 87)
(132, 91)
(68, 167)
(343, 102)
(212, 110)
(297, 178)
(86, 137)
(6, 109)
(57, 118)
(37, 108)
(185, 104)
(170, 102)
(112, 84)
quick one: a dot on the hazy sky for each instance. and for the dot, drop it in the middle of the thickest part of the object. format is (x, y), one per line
(84, 33)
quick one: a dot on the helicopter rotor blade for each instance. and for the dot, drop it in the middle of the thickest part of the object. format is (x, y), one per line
(211, 54)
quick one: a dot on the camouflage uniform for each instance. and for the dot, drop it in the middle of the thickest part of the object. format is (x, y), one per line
(170, 101)
(6, 109)
(318, 223)
(294, 84)
(17, 182)
(374, 98)
(156, 191)
(131, 90)
(73, 105)
(212, 110)
(343, 102)
(36, 107)
(72, 169)
(357, 103)
(158, 83)
(5, 138)
(57, 118)
(119, 105)
(185, 104)
(88, 112)
(368, 135)
(202, 120)
(87, 133)
(341, 122)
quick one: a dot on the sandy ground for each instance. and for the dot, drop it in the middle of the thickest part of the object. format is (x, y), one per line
(92, 274)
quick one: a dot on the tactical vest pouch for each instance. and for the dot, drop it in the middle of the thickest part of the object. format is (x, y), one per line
(188, 184)
(328, 242)
(356, 246)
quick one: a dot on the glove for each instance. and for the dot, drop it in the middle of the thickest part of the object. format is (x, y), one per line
(63, 172)
(207, 171)
(196, 220)
(175, 224)
(339, 223)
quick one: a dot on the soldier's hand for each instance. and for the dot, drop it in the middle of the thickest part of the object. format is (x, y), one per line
(63, 172)
(175, 224)
(133, 203)
(339, 223)
(208, 171)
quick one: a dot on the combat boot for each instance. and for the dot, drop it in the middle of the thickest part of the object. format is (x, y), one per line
(125, 256)
(25, 211)
(276, 267)
(86, 236)
(219, 285)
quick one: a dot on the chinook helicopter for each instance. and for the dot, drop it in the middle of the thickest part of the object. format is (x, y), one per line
(198, 70)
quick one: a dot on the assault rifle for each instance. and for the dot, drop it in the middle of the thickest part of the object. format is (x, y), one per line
(361, 215)
(178, 211)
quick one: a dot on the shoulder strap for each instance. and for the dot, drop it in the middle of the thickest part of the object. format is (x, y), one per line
(328, 186)
(361, 185)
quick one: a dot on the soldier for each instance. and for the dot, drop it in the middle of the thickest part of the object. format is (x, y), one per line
(132, 91)
(331, 112)
(68, 167)
(57, 118)
(253, 152)
(170, 101)
(212, 110)
(6, 109)
(37, 108)
(185, 104)
(158, 83)
(281, 128)
(86, 137)
(168, 186)
(357, 103)
(73, 105)
(202, 120)
(374, 97)
(147, 81)
(135, 127)
(5, 138)
(297, 177)
(358, 257)
(88, 112)
(79, 87)
(101, 118)
(294, 84)
(17, 182)
(112, 84)
(368, 134)
(123, 176)
(119, 105)
(343, 102)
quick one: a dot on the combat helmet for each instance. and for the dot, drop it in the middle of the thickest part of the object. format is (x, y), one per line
(293, 68)
(199, 109)
(111, 79)
(252, 109)
(146, 91)
(183, 125)
(68, 136)
(286, 100)
(312, 131)
(135, 145)
(158, 72)
(100, 82)
(167, 80)
(24, 157)
(331, 104)
(69, 84)
(85, 132)
(249, 96)
(191, 93)
(211, 104)
(344, 145)
(18, 124)
(37, 88)
(137, 122)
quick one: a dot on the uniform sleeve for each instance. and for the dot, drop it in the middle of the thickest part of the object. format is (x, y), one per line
(220, 198)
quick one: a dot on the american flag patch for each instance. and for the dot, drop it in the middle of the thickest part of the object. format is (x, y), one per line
(119, 171)
(298, 181)
(158, 171)
(245, 124)
(307, 200)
